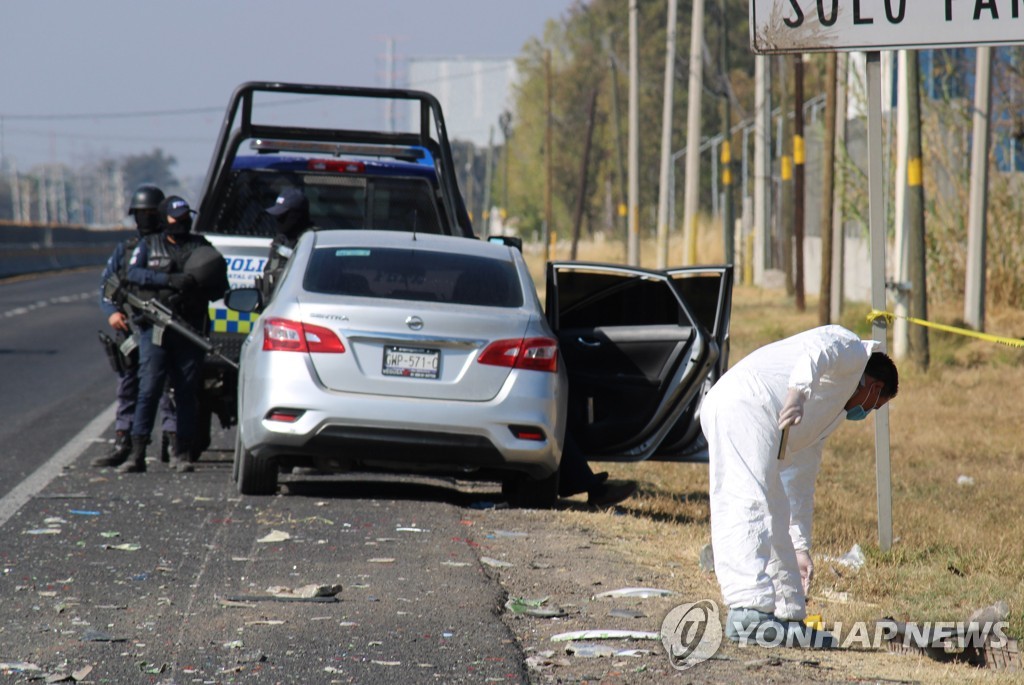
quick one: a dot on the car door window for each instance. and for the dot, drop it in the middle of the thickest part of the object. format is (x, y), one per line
(624, 338)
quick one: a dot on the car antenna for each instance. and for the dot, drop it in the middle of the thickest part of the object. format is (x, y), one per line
(415, 222)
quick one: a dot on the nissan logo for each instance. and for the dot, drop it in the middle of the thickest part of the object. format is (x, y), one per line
(414, 322)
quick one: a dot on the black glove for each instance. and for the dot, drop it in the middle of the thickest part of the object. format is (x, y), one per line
(182, 282)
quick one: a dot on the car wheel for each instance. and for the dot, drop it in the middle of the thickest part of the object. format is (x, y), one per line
(525, 492)
(253, 476)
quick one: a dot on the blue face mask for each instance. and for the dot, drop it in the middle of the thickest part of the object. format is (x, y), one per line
(858, 413)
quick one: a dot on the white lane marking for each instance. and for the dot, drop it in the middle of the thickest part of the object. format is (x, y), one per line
(41, 477)
(62, 299)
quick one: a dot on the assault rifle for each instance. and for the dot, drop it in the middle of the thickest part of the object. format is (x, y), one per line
(160, 315)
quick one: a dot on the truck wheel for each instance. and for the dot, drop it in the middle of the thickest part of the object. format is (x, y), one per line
(253, 476)
(524, 492)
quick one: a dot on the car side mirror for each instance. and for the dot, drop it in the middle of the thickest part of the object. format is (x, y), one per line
(510, 240)
(244, 300)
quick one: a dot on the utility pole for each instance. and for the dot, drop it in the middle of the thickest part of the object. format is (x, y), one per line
(838, 218)
(916, 257)
(633, 244)
(728, 208)
(828, 164)
(666, 135)
(974, 291)
(762, 175)
(505, 122)
(693, 99)
(798, 179)
(548, 154)
(389, 79)
(488, 179)
(786, 175)
(620, 166)
(581, 198)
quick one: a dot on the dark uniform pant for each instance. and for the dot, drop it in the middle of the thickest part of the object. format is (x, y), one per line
(176, 360)
(127, 400)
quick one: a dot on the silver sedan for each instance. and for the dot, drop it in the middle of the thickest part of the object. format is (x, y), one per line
(402, 351)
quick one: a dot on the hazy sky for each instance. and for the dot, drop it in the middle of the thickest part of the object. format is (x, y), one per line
(102, 58)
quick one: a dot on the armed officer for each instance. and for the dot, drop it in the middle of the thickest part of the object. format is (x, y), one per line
(291, 212)
(143, 208)
(184, 272)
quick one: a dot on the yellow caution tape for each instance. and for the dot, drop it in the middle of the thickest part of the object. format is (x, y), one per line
(890, 317)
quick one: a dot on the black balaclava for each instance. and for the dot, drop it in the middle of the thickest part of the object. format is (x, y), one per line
(292, 223)
(147, 221)
(180, 226)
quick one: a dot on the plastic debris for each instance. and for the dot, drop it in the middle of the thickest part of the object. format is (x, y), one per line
(386, 663)
(410, 529)
(589, 650)
(43, 531)
(1000, 611)
(455, 563)
(18, 666)
(275, 536)
(605, 635)
(964, 481)
(496, 563)
(640, 592)
(126, 547)
(534, 607)
(381, 560)
(707, 559)
(626, 613)
(305, 593)
(83, 512)
(853, 559)
(93, 635)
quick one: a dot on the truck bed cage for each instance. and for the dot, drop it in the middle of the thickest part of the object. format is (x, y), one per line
(238, 127)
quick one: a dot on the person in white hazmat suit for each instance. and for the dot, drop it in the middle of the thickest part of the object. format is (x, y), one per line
(762, 502)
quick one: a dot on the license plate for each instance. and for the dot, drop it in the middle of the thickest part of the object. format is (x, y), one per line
(411, 362)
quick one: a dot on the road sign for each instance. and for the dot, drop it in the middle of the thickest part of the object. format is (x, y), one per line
(780, 26)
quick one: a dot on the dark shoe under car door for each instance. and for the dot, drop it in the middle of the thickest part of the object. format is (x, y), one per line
(636, 353)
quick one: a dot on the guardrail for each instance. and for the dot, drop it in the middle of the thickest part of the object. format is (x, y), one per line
(31, 248)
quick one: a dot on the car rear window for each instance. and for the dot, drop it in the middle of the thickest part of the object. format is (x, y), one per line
(335, 201)
(421, 275)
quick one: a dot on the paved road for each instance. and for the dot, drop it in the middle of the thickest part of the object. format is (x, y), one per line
(151, 578)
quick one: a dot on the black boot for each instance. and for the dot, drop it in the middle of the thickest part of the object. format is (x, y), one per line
(137, 459)
(122, 448)
(181, 461)
(166, 445)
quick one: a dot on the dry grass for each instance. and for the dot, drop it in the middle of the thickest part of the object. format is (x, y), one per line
(957, 547)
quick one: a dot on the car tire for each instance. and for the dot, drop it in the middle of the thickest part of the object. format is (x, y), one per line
(253, 476)
(523, 492)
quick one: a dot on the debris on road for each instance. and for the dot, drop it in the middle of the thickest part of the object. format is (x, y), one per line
(277, 593)
(605, 635)
(275, 536)
(126, 547)
(93, 635)
(494, 563)
(534, 607)
(639, 592)
(626, 613)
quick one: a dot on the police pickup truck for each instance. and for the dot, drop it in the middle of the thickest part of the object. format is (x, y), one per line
(328, 142)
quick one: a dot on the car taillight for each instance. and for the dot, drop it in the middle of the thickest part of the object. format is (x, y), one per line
(283, 335)
(537, 354)
(337, 165)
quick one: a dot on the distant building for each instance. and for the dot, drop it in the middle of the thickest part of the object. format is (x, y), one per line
(473, 93)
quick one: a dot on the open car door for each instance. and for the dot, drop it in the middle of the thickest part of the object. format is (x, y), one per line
(641, 348)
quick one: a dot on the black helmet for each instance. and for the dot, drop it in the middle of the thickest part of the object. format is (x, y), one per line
(146, 196)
